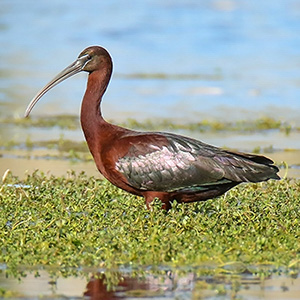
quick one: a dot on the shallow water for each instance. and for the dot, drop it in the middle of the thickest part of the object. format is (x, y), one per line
(283, 149)
(51, 162)
(183, 60)
(166, 285)
(221, 59)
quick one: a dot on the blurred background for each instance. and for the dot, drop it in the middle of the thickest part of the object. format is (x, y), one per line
(181, 60)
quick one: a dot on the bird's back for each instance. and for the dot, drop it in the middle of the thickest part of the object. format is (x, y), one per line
(168, 162)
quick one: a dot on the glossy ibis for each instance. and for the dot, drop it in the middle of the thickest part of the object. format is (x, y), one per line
(154, 164)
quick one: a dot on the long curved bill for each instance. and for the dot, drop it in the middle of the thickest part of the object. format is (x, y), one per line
(76, 67)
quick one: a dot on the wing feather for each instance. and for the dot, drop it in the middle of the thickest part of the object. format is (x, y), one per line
(184, 163)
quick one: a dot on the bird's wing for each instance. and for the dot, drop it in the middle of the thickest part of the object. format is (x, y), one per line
(184, 163)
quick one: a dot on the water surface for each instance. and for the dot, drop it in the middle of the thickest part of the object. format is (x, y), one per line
(220, 59)
(182, 60)
(166, 285)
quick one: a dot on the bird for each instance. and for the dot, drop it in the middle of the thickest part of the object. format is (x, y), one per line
(154, 165)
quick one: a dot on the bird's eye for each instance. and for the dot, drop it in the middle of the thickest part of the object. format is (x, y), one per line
(89, 57)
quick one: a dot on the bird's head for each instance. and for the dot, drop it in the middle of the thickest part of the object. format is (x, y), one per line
(89, 60)
(94, 58)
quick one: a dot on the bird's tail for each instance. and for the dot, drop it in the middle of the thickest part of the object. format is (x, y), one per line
(254, 168)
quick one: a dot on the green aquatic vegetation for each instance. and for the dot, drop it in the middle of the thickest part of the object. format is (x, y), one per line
(79, 221)
(268, 149)
(267, 123)
(63, 145)
(8, 144)
(66, 149)
(165, 76)
(71, 122)
(261, 124)
(6, 293)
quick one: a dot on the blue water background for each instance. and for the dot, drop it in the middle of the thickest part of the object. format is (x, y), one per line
(223, 59)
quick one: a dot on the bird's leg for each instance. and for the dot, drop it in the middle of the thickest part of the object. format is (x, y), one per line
(163, 197)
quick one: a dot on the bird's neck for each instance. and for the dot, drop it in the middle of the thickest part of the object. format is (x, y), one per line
(91, 115)
(96, 87)
(97, 131)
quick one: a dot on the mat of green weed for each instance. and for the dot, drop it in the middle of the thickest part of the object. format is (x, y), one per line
(78, 221)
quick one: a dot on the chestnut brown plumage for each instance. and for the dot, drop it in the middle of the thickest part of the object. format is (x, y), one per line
(154, 164)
